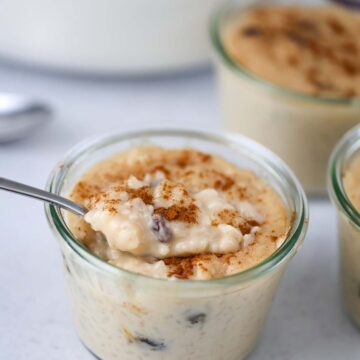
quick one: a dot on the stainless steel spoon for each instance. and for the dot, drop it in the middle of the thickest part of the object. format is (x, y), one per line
(21, 116)
(22, 189)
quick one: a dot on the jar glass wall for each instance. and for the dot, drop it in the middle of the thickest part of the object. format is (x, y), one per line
(123, 315)
(348, 222)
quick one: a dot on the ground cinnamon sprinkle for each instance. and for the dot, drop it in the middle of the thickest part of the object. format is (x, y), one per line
(186, 214)
(111, 209)
(172, 196)
(233, 218)
(144, 193)
(224, 183)
(288, 40)
(227, 216)
(181, 268)
(85, 190)
(184, 159)
(185, 211)
(246, 226)
(336, 26)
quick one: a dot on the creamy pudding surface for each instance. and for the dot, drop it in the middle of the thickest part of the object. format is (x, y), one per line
(314, 50)
(178, 213)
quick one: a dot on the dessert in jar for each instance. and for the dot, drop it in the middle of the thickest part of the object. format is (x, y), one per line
(184, 244)
(344, 190)
(289, 77)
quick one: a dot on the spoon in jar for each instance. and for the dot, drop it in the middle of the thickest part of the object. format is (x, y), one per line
(26, 190)
(21, 115)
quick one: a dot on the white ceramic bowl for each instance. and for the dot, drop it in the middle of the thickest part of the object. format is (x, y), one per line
(108, 36)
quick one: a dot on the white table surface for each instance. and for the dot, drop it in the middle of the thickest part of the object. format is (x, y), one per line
(306, 321)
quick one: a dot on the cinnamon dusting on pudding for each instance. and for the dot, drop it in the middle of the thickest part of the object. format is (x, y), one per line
(178, 213)
(315, 50)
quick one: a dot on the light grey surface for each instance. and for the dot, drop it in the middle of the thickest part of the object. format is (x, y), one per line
(306, 321)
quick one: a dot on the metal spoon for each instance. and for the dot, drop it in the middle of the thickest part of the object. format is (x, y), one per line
(20, 116)
(46, 196)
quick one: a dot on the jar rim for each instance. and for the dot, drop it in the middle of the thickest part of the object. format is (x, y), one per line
(215, 25)
(291, 243)
(347, 146)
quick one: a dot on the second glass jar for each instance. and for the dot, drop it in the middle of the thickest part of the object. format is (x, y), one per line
(302, 129)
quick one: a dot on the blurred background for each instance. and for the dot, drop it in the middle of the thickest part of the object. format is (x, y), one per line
(74, 69)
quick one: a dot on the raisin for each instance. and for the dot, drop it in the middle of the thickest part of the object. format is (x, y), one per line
(251, 31)
(154, 345)
(161, 229)
(196, 318)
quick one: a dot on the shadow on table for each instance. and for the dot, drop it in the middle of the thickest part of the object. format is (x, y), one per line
(166, 76)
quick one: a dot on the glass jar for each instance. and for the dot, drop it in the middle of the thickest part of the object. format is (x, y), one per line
(302, 129)
(123, 315)
(348, 222)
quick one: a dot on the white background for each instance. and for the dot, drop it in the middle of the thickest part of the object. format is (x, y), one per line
(306, 321)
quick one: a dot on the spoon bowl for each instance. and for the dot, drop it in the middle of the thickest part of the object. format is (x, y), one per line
(21, 116)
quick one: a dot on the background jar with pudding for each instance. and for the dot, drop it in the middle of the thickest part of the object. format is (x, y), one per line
(301, 127)
(123, 315)
(343, 180)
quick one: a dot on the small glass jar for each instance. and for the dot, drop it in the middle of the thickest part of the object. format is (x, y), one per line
(127, 316)
(348, 222)
(302, 129)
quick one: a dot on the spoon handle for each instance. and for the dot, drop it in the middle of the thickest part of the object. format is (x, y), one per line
(39, 194)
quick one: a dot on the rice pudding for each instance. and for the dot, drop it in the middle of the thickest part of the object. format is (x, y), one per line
(289, 78)
(189, 245)
(178, 213)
